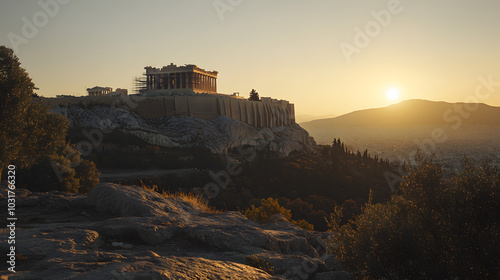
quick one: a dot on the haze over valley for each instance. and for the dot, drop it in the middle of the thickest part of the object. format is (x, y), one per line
(396, 132)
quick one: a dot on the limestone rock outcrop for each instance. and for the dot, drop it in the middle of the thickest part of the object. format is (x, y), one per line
(219, 135)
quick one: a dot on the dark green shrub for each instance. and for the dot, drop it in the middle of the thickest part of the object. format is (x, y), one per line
(303, 224)
(267, 208)
(270, 206)
(88, 176)
(63, 171)
(436, 227)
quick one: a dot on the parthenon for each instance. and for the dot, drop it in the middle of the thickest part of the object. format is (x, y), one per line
(188, 77)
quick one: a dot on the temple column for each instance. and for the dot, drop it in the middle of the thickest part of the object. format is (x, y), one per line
(156, 80)
(190, 80)
(195, 81)
(202, 82)
(198, 80)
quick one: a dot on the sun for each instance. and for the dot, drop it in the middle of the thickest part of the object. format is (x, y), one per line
(392, 94)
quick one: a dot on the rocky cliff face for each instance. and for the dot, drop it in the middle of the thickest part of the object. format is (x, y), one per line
(219, 134)
(120, 233)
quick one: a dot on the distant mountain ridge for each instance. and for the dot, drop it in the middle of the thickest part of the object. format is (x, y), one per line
(414, 112)
(307, 118)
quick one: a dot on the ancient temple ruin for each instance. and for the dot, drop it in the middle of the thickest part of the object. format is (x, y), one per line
(187, 91)
(181, 78)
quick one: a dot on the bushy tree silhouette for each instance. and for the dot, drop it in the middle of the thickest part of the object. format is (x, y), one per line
(27, 130)
(254, 95)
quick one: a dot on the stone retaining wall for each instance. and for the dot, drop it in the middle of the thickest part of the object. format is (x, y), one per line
(207, 107)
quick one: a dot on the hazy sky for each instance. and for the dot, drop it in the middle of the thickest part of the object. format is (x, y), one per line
(311, 53)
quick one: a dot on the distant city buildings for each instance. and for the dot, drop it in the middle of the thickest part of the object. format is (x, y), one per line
(100, 91)
(173, 78)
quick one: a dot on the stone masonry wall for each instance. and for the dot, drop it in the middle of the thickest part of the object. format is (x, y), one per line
(207, 107)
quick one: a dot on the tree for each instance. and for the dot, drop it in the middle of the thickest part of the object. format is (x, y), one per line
(254, 95)
(28, 130)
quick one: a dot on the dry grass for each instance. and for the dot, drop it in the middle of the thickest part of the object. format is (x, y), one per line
(190, 198)
(194, 200)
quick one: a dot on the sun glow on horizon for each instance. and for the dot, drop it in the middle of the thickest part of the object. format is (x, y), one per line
(392, 94)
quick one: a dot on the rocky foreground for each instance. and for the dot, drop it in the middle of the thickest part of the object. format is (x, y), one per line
(127, 233)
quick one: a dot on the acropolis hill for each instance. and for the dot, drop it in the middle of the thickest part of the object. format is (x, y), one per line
(188, 91)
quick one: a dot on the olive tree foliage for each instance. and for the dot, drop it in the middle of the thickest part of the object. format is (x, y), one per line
(28, 131)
